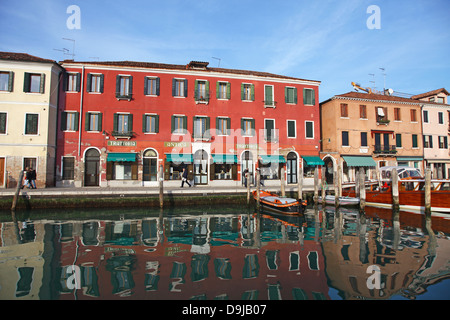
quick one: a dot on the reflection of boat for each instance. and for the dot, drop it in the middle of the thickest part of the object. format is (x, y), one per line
(343, 201)
(274, 202)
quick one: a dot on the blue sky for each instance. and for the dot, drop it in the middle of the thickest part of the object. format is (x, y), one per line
(320, 40)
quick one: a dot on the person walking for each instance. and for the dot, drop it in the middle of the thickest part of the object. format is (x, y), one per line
(33, 178)
(184, 179)
(25, 182)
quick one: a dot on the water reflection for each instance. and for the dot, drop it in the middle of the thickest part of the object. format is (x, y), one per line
(217, 254)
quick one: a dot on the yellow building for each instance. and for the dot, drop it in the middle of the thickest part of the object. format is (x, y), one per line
(370, 131)
(29, 88)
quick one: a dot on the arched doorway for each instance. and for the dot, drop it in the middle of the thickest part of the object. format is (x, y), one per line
(150, 166)
(247, 163)
(92, 168)
(329, 169)
(291, 168)
(201, 167)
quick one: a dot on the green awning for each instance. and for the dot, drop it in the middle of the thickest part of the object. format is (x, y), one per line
(409, 159)
(353, 161)
(180, 157)
(313, 161)
(121, 157)
(272, 159)
(224, 158)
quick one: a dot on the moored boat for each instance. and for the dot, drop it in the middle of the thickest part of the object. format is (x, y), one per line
(343, 201)
(275, 203)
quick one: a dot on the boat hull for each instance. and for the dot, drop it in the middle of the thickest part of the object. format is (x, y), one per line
(343, 201)
(273, 203)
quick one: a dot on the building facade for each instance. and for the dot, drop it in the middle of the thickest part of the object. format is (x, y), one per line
(370, 131)
(29, 89)
(435, 126)
(119, 122)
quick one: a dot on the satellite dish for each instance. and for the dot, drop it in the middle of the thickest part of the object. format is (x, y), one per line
(391, 91)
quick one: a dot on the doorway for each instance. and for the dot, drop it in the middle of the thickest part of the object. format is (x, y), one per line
(200, 167)
(150, 166)
(247, 164)
(291, 168)
(92, 168)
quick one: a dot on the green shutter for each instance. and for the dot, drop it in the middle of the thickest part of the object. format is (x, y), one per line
(130, 86)
(253, 92)
(228, 126)
(158, 85)
(117, 86)
(26, 82)
(116, 122)
(286, 93)
(100, 121)
(63, 121)
(242, 92)
(295, 96)
(174, 83)
(89, 82)
(185, 124)
(196, 90)
(228, 90)
(77, 120)
(42, 84)
(87, 121)
(11, 81)
(130, 123)
(217, 90)
(102, 82)
(398, 138)
(156, 123)
(173, 124)
(207, 91)
(185, 88)
(144, 120)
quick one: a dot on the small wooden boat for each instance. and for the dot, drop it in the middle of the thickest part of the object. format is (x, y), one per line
(343, 201)
(275, 203)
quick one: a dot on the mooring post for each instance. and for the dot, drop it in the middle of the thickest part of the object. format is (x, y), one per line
(323, 186)
(428, 193)
(316, 185)
(336, 186)
(300, 184)
(16, 194)
(395, 194)
(161, 186)
(247, 178)
(258, 188)
(362, 190)
(283, 191)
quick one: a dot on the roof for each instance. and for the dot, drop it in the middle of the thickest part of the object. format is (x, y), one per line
(430, 93)
(25, 57)
(353, 95)
(193, 65)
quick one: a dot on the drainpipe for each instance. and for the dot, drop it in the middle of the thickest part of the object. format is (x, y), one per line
(81, 111)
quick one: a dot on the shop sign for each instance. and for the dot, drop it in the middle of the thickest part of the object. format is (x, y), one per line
(119, 143)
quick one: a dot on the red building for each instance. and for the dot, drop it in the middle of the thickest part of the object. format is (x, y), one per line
(120, 121)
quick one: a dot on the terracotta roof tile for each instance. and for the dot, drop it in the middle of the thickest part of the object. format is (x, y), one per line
(430, 93)
(17, 56)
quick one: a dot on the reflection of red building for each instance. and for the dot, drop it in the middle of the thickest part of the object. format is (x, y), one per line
(211, 266)
(119, 121)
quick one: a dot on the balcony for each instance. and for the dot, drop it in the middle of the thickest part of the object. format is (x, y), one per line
(387, 150)
(381, 121)
(270, 104)
(124, 96)
(122, 134)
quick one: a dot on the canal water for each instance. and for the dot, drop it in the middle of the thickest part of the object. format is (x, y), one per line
(223, 253)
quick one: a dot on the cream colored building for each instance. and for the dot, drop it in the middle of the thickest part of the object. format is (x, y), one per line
(29, 88)
(435, 127)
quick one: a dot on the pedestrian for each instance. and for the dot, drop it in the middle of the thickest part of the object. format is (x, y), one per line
(184, 179)
(28, 178)
(261, 177)
(25, 180)
(245, 177)
(33, 178)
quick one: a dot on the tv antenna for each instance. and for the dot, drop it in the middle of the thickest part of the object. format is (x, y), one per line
(384, 77)
(73, 48)
(373, 81)
(217, 59)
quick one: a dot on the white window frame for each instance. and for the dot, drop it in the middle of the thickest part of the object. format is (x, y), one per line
(306, 131)
(295, 129)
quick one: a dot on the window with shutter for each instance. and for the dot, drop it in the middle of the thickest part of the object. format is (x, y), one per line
(290, 95)
(6, 81)
(309, 130)
(309, 98)
(31, 123)
(291, 129)
(269, 96)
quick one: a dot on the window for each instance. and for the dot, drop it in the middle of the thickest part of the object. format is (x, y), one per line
(363, 139)
(3, 118)
(31, 123)
(201, 91)
(179, 124)
(201, 127)
(150, 123)
(413, 115)
(123, 124)
(179, 88)
(309, 130)
(30, 163)
(248, 127)
(95, 83)
(124, 87)
(69, 121)
(440, 99)
(290, 95)
(223, 126)
(345, 139)
(151, 86)
(269, 130)
(344, 110)
(93, 121)
(122, 171)
(441, 117)
(381, 115)
(223, 90)
(34, 82)
(397, 116)
(247, 92)
(425, 116)
(73, 82)
(291, 129)
(309, 97)
(414, 141)
(428, 141)
(443, 142)
(68, 168)
(6, 81)
(268, 96)
(398, 140)
(363, 112)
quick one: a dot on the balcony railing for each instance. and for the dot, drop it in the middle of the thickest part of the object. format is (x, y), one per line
(270, 104)
(122, 134)
(383, 121)
(385, 149)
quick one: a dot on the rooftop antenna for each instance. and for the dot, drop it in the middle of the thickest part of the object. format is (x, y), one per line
(73, 48)
(373, 81)
(217, 59)
(384, 76)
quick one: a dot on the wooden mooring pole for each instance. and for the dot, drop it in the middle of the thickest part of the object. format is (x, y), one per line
(362, 190)
(428, 193)
(324, 182)
(247, 178)
(395, 194)
(316, 185)
(16, 194)
(283, 191)
(300, 185)
(258, 188)
(161, 186)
